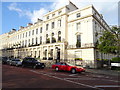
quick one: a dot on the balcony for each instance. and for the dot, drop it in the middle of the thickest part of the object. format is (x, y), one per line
(86, 45)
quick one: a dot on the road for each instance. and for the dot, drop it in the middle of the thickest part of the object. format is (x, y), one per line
(18, 77)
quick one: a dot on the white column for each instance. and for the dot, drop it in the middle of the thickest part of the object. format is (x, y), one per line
(47, 52)
(41, 53)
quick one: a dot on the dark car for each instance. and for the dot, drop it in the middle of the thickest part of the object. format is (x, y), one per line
(32, 62)
(4, 60)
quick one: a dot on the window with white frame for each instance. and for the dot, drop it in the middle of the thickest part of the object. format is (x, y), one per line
(78, 43)
(18, 36)
(78, 26)
(25, 42)
(32, 32)
(29, 33)
(29, 41)
(41, 30)
(36, 40)
(47, 25)
(47, 17)
(23, 35)
(32, 40)
(40, 39)
(26, 34)
(36, 31)
(53, 15)
(53, 25)
(78, 15)
(59, 12)
(59, 22)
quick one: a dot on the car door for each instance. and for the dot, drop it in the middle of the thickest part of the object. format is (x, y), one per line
(26, 61)
(29, 62)
(14, 61)
(63, 66)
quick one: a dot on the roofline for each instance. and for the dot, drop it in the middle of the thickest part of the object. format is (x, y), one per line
(54, 11)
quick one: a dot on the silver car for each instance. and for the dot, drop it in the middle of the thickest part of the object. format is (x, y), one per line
(16, 62)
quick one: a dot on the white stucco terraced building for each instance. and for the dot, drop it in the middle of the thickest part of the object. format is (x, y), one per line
(65, 34)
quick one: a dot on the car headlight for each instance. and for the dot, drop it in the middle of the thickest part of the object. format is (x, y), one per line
(38, 63)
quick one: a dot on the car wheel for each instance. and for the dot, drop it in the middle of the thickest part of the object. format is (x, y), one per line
(43, 66)
(73, 71)
(16, 65)
(10, 64)
(34, 66)
(23, 65)
(56, 69)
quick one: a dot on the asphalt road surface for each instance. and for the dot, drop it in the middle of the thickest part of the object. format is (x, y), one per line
(18, 77)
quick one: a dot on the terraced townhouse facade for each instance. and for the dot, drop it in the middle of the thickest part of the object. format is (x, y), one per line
(67, 34)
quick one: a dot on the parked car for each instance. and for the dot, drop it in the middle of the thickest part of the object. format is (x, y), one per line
(67, 67)
(32, 62)
(4, 60)
(16, 62)
(9, 60)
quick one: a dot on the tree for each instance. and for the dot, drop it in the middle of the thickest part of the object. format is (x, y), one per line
(109, 42)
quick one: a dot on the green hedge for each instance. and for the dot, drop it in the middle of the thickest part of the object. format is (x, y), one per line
(78, 58)
(116, 59)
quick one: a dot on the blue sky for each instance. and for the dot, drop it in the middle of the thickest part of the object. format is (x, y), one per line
(16, 14)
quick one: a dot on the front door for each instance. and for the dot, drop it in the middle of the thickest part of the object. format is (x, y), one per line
(58, 55)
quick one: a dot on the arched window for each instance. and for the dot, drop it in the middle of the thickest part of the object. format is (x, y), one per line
(59, 32)
(52, 34)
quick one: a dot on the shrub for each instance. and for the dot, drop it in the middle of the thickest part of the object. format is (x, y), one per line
(116, 59)
(98, 59)
(78, 58)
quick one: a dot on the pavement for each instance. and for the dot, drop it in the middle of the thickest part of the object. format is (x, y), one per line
(104, 72)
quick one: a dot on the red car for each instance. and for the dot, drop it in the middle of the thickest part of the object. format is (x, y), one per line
(67, 67)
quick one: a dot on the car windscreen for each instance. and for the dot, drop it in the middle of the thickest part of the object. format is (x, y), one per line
(70, 64)
(17, 60)
(31, 59)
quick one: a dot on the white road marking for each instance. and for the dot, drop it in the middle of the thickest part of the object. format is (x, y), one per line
(82, 78)
(53, 73)
(73, 74)
(67, 80)
(92, 79)
(107, 86)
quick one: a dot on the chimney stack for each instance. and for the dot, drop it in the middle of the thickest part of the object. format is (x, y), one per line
(39, 20)
(29, 24)
(21, 27)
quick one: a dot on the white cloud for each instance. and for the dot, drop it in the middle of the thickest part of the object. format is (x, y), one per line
(37, 14)
(106, 7)
(13, 7)
(32, 15)
(58, 4)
